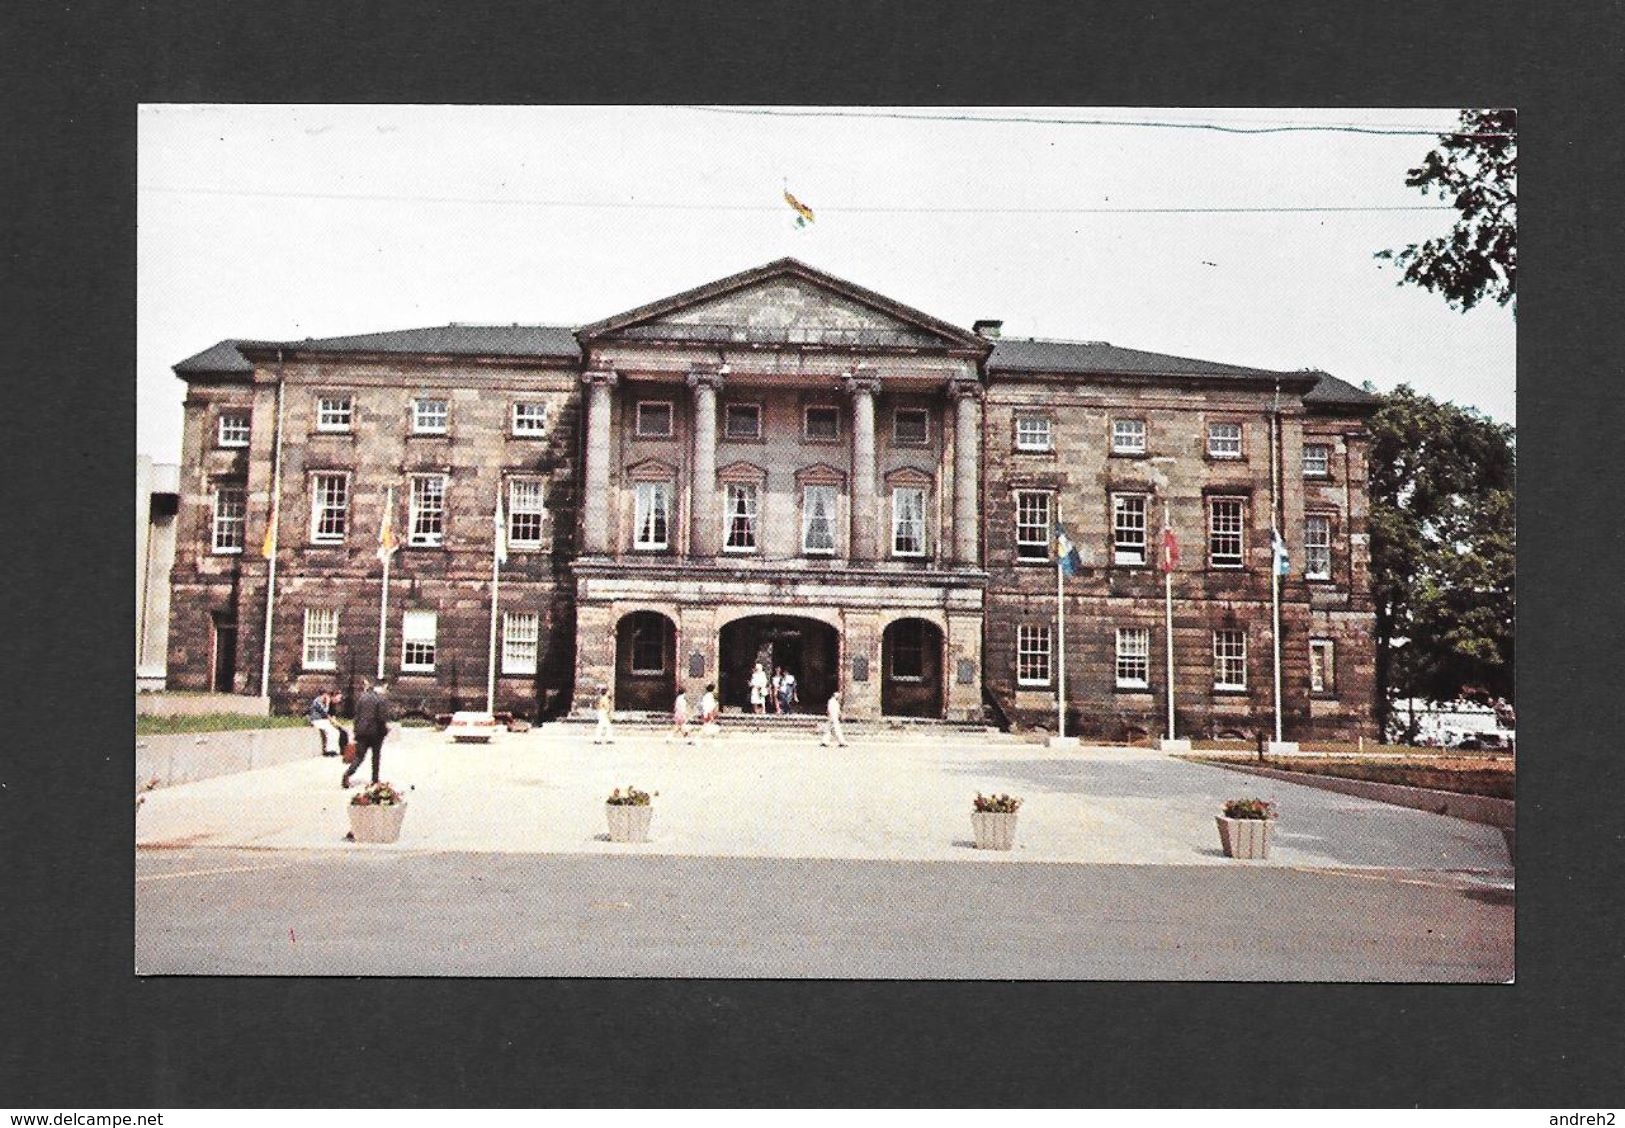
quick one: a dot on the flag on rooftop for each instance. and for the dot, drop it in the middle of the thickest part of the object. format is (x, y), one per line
(804, 214)
(1066, 553)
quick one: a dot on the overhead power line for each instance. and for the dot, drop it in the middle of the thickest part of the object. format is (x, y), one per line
(824, 208)
(1216, 127)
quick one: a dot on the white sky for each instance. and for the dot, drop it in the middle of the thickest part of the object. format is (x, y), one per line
(313, 221)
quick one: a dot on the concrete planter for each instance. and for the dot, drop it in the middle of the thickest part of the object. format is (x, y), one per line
(628, 823)
(994, 831)
(1245, 838)
(375, 823)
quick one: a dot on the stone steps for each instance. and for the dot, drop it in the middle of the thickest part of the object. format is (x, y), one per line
(807, 724)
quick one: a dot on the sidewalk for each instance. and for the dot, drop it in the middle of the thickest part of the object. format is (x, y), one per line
(903, 797)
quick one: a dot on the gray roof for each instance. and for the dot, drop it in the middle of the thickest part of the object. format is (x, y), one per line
(1333, 392)
(437, 340)
(1028, 354)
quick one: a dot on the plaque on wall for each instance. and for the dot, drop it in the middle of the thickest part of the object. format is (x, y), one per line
(967, 672)
(696, 665)
(860, 668)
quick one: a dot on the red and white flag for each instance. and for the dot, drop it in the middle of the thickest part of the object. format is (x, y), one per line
(1170, 550)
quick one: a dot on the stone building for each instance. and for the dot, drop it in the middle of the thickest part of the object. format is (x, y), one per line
(779, 467)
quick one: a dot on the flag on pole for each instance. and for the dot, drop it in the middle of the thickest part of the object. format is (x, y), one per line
(1170, 550)
(268, 546)
(500, 532)
(1283, 563)
(1066, 553)
(387, 544)
(804, 214)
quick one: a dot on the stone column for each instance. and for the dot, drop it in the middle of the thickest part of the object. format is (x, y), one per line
(595, 503)
(862, 384)
(704, 514)
(967, 397)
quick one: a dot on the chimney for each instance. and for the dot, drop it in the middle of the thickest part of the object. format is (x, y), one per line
(988, 328)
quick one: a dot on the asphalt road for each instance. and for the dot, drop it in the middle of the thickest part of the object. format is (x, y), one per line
(259, 912)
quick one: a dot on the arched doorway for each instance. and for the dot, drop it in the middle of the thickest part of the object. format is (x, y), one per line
(804, 647)
(911, 669)
(645, 662)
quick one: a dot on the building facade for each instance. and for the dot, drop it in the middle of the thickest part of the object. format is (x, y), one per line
(780, 468)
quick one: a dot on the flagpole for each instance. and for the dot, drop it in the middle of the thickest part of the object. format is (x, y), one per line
(1168, 610)
(496, 563)
(1060, 648)
(1275, 553)
(271, 538)
(386, 550)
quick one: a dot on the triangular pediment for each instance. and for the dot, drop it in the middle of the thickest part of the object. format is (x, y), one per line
(785, 303)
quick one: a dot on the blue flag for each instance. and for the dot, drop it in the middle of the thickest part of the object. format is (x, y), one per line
(1066, 554)
(1283, 563)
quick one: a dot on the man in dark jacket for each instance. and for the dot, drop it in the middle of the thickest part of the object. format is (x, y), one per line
(371, 725)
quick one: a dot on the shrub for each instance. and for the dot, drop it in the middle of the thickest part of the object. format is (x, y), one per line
(995, 804)
(632, 798)
(377, 795)
(1249, 809)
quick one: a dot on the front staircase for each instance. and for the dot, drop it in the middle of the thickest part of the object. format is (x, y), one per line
(785, 724)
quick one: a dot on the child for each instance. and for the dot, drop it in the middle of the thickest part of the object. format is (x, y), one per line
(605, 734)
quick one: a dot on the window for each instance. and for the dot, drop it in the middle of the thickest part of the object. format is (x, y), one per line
(1133, 658)
(429, 416)
(329, 508)
(1032, 655)
(654, 419)
(1322, 675)
(652, 527)
(417, 642)
(1229, 659)
(428, 516)
(1032, 432)
(530, 419)
(1317, 460)
(525, 512)
(741, 518)
(1224, 440)
(908, 651)
(818, 507)
(333, 413)
(1224, 536)
(1033, 525)
(742, 421)
(910, 426)
(1317, 547)
(822, 423)
(908, 522)
(233, 429)
(1128, 529)
(521, 631)
(1128, 436)
(230, 514)
(649, 645)
(321, 638)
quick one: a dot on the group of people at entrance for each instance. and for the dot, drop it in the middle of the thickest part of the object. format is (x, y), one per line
(772, 695)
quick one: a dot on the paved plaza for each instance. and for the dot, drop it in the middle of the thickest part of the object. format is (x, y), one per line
(903, 797)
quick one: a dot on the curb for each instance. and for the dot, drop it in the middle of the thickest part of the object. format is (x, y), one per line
(1471, 808)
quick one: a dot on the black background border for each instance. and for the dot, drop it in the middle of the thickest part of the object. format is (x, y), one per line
(81, 1030)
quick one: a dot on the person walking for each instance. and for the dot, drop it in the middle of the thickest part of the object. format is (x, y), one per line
(708, 711)
(605, 733)
(320, 715)
(832, 729)
(787, 692)
(372, 717)
(758, 689)
(774, 690)
(679, 717)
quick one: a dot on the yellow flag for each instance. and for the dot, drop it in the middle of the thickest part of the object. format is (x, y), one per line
(804, 214)
(269, 546)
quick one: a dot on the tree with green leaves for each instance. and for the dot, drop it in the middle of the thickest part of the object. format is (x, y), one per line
(1443, 480)
(1476, 170)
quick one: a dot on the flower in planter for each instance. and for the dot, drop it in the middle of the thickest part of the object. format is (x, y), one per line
(995, 804)
(1249, 809)
(377, 795)
(631, 798)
